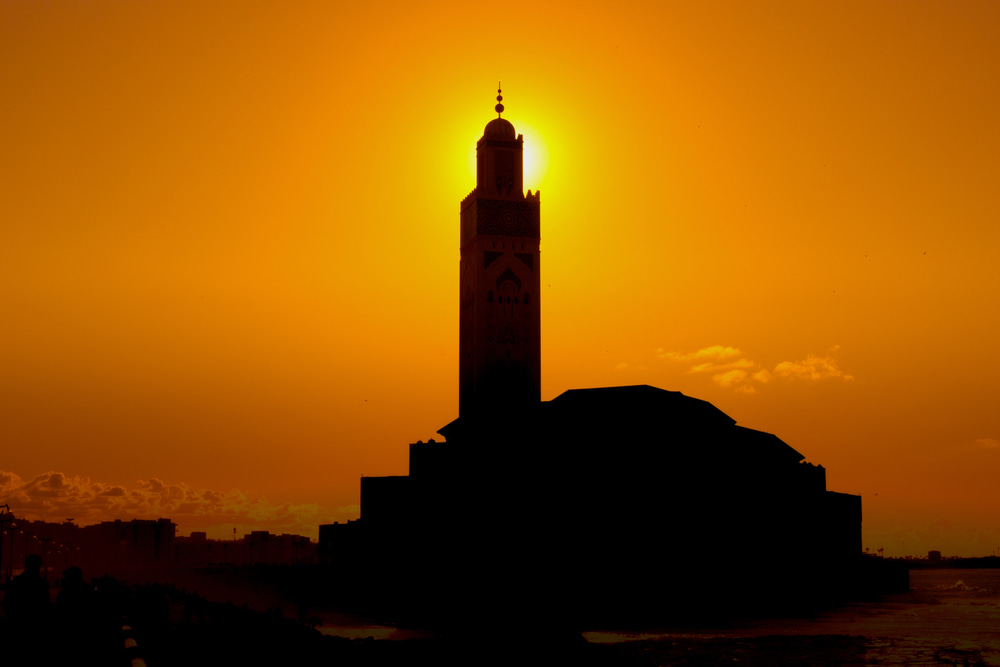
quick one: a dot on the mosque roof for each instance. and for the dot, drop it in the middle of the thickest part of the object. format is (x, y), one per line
(641, 402)
(633, 416)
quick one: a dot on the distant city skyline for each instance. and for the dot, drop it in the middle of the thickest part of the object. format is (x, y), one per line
(230, 243)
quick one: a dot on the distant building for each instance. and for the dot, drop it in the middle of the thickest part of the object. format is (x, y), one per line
(140, 543)
(622, 502)
(101, 546)
(135, 542)
(339, 542)
(259, 547)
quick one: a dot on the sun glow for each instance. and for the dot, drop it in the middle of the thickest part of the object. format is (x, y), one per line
(536, 157)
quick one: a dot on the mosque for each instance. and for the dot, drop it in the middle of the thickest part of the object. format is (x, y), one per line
(621, 503)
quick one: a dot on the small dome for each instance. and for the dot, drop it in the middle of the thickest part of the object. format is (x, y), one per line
(500, 128)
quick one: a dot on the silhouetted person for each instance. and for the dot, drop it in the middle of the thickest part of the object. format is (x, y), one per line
(28, 607)
(85, 631)
(27, 599)
(75, 602)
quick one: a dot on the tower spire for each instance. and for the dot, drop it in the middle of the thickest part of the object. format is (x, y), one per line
(499, 330)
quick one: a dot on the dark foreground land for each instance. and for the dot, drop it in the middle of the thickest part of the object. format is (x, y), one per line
(193, 633)
(171, 624)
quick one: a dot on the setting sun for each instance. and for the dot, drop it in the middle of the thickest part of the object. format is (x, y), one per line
(536, 157)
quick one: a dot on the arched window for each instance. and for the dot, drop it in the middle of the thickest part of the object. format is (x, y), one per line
(489, 297)
(527, 299)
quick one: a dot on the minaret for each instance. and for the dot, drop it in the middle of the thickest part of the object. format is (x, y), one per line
(499, 328)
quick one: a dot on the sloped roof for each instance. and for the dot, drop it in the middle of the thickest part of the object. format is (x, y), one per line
(612, 408)
(642, 402)
(768, 444)
(631, 416)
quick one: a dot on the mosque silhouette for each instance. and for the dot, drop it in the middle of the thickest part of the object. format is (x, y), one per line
(615, 504)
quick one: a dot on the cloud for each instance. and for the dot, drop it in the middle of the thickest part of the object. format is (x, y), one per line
(987, 443)
(713, 352)
(726, 365)
(730, 378)
(730, 369)
(811, 368)
(714, 367)
(55, 496)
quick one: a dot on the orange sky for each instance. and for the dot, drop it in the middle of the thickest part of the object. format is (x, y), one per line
(229, 242)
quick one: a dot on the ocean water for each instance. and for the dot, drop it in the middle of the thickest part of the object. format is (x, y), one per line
(949, 617)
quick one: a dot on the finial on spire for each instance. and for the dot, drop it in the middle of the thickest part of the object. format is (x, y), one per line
(499, 107)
